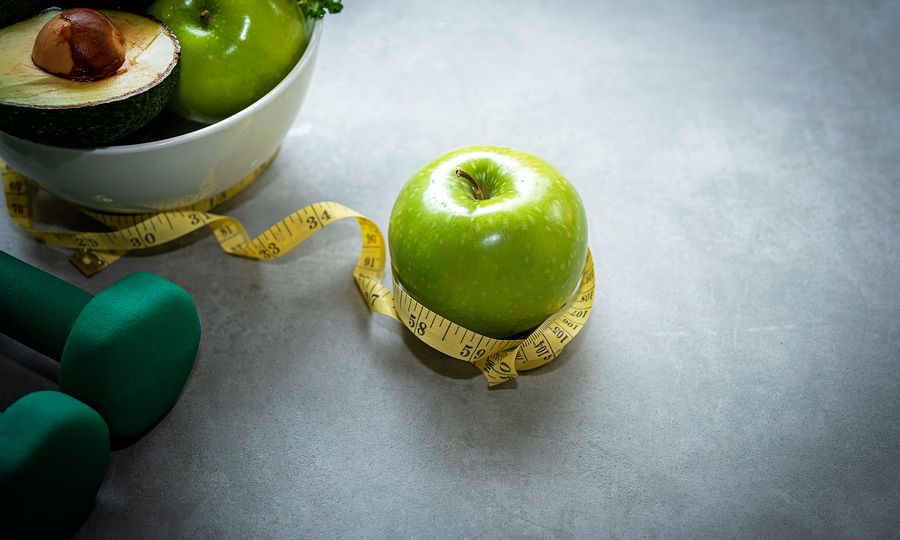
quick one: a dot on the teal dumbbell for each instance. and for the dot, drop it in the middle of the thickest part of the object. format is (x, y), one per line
(54, 452)
(126, 352)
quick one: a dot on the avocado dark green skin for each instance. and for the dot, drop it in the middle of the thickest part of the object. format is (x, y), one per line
(13, 11)
(85, 126)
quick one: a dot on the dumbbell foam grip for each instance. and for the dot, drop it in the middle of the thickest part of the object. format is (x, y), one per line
(54, 453)
(37, 309)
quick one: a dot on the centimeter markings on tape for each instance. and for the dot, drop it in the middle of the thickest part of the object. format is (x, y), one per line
(498, 359)
(501, 359)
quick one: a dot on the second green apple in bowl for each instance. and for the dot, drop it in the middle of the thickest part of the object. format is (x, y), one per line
(232, 51)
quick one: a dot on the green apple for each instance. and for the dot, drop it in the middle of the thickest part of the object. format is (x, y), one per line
(490, 238)
(232, 51)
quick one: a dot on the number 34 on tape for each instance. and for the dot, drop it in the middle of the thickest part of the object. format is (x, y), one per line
(498, 359)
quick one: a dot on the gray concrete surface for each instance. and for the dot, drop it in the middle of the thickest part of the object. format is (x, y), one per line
(739, 378)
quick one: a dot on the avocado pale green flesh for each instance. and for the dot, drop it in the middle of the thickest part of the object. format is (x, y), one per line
(49, 109)
(147, 58)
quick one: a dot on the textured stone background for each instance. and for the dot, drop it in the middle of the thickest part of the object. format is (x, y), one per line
(740, 375)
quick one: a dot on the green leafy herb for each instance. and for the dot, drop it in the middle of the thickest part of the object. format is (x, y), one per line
(316, 9)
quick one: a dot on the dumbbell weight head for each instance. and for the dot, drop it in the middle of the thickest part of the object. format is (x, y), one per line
(54, 453)
(130, 351)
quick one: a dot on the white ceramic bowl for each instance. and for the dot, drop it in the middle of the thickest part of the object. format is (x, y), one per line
(173, 171)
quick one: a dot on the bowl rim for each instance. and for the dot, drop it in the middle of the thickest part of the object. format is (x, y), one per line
(216, 126)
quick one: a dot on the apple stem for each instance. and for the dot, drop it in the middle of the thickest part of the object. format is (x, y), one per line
(204, 18)
(476, 188)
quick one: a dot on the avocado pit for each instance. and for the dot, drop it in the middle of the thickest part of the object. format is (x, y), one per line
(79, 44)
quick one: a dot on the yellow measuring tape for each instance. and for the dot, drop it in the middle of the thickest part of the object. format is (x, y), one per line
(499, 359)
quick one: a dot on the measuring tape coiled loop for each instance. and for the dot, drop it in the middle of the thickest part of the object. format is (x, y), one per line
(498, 359)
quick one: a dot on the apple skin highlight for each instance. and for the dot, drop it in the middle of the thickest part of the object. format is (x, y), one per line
(229, 58)
(498, 266)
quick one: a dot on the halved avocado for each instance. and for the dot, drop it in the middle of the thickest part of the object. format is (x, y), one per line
(52, 110)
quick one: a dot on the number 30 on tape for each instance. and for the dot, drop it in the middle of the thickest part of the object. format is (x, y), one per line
(498, 359)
